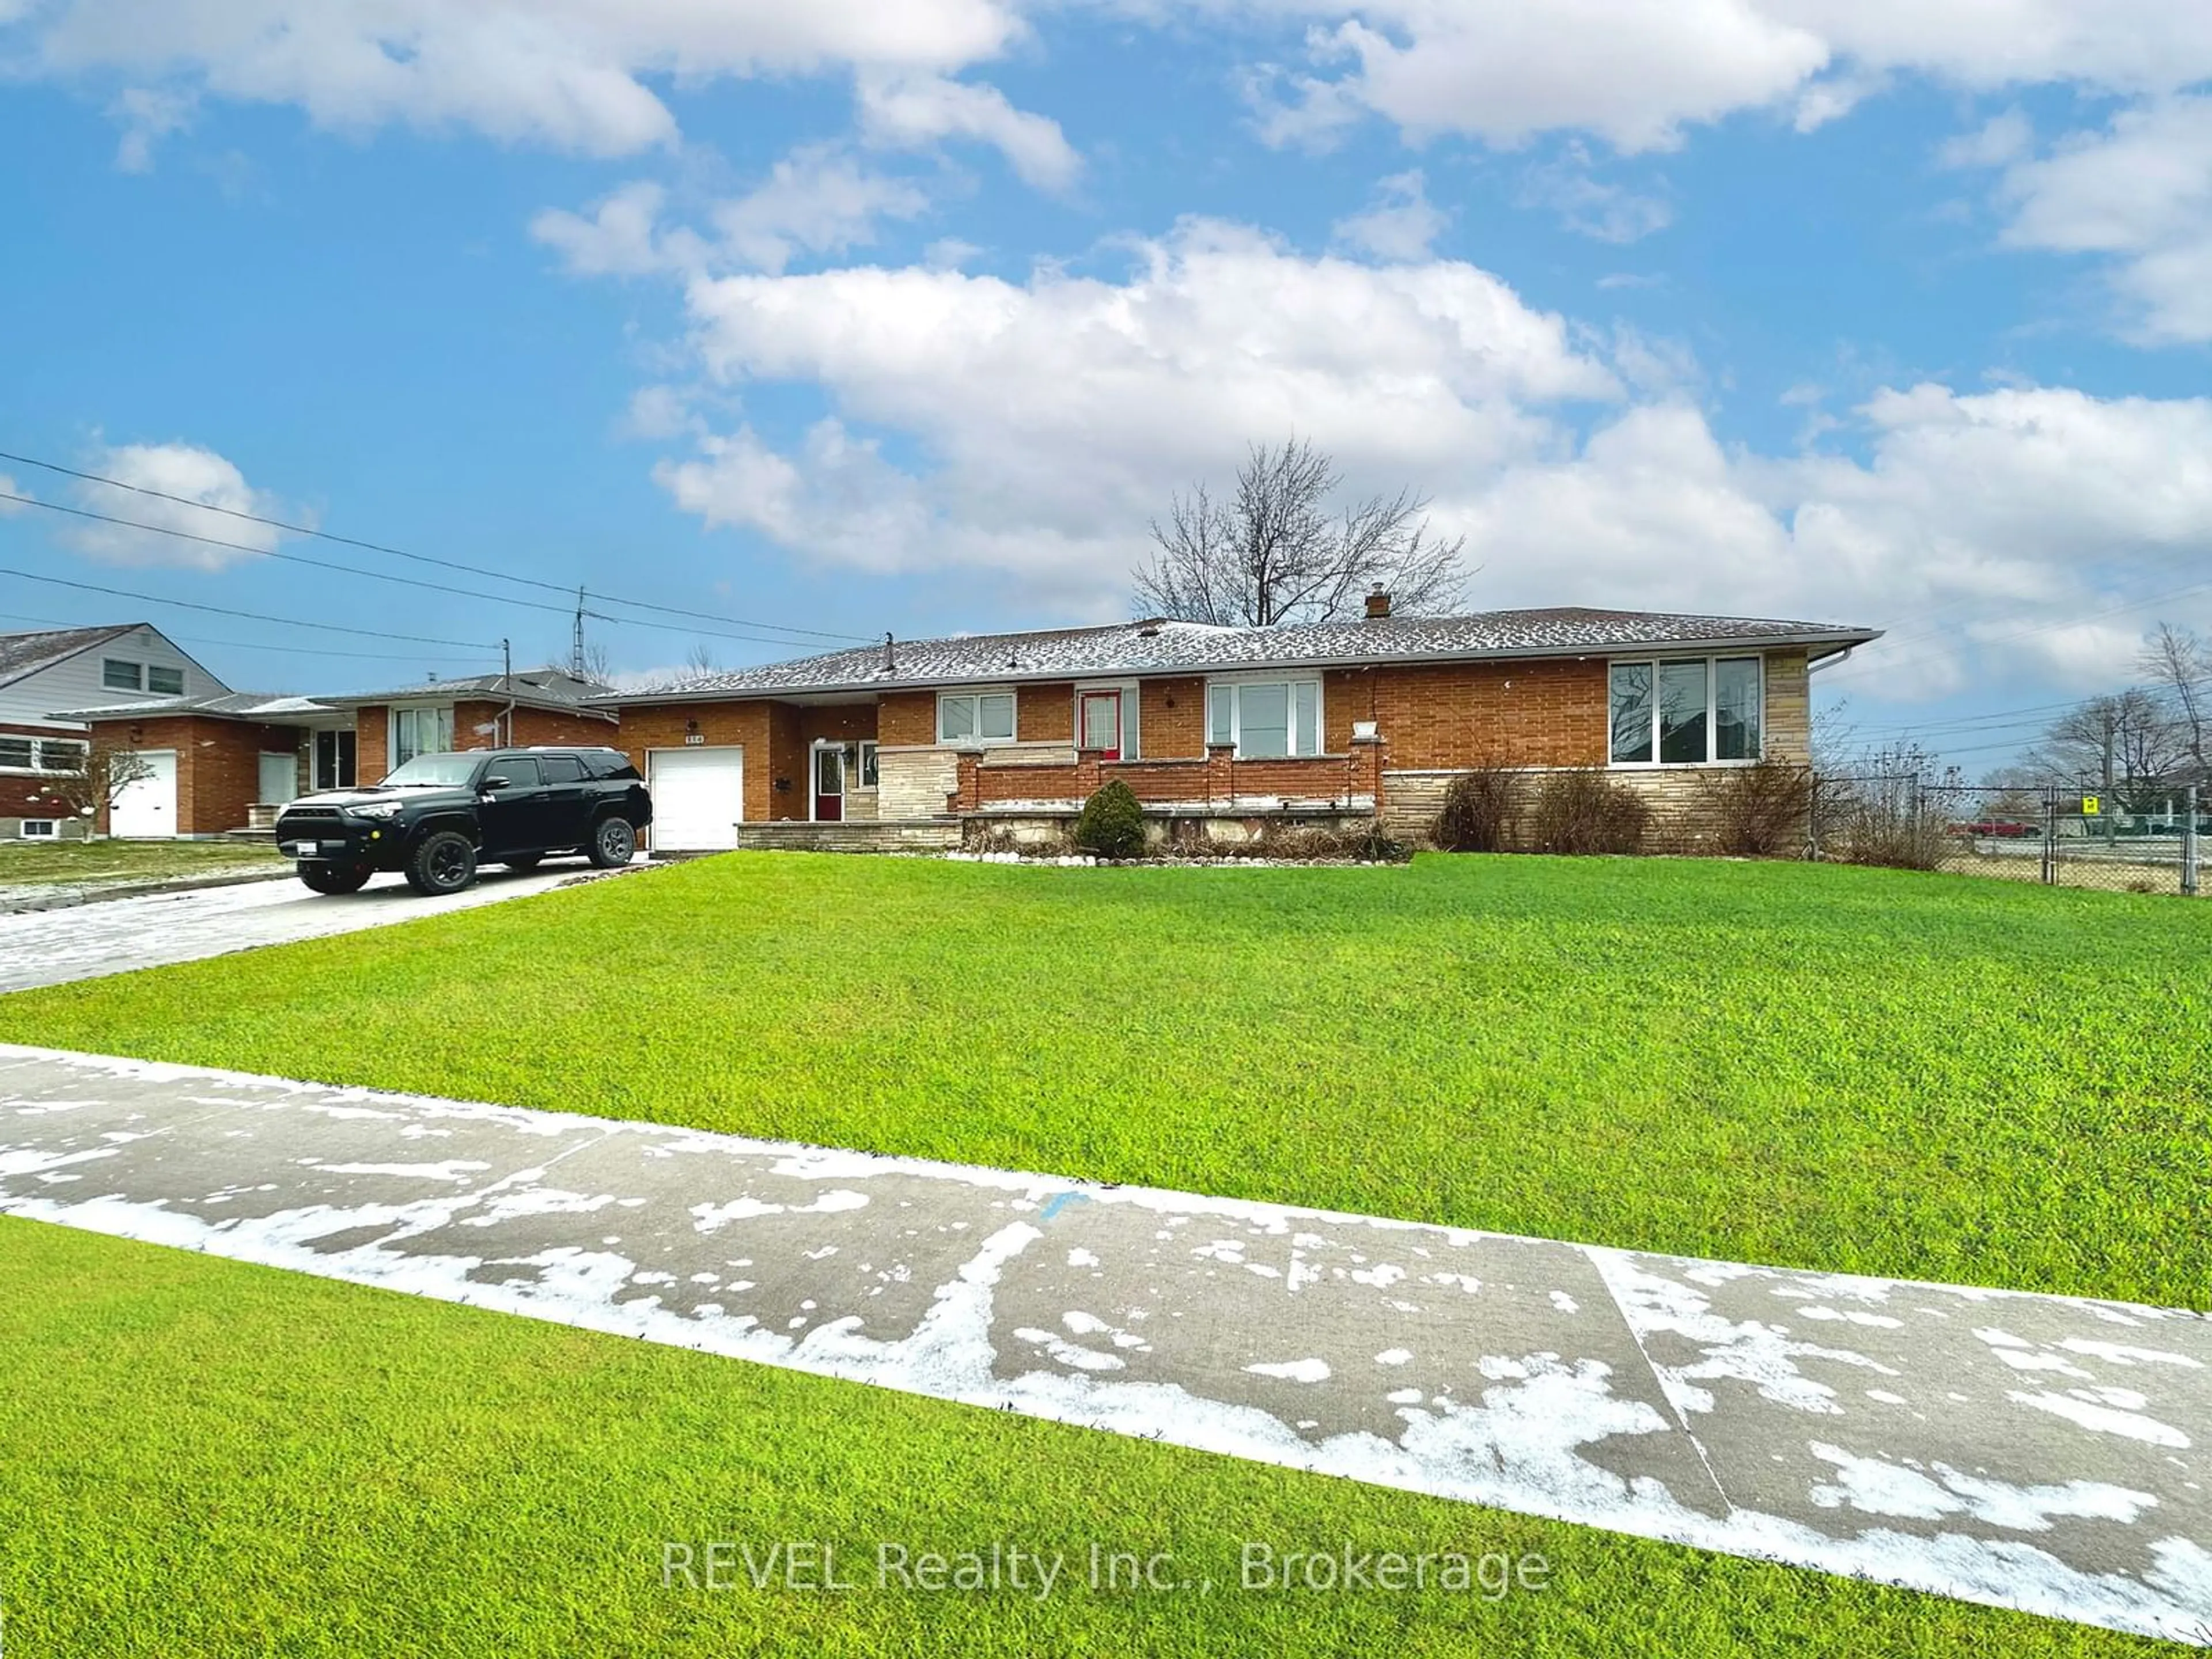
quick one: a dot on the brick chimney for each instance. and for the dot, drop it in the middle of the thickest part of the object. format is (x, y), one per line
(1378, 604)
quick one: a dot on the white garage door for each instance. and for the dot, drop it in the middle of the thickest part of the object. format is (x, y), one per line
(146, 808)
(698, 795)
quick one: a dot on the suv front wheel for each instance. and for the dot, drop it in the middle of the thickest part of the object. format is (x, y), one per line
(335, 878)
(443, 861)
(614, 843)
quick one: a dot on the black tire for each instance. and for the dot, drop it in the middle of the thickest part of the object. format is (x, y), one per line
(613, 843)
(336, 877)
(443, 861)
(524, 865)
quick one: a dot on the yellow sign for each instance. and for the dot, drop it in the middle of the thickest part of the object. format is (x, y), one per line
(2091, 806)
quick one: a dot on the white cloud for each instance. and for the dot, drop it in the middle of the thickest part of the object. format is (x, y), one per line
(816, 200)
(2012, 517)
(909, 111)
(148, 115)
(1635, 74)
(1589, 206)
(949, 254)
(1504, 71)
(2141, 191)
(1399, 224)
(1998, 142)
(9, 487)
(571, 74)
(621, 236)
(1032, 429)
(174, 468)
(1056, 415)
(657, 412)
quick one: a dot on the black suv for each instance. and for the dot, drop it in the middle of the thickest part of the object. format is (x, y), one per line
(440, 816)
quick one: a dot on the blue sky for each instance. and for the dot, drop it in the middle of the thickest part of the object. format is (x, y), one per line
(846, 318)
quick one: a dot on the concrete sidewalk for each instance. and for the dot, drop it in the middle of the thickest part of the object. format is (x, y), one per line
(2032, 1452)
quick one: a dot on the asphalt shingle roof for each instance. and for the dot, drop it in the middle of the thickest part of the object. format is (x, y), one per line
(1156, 646)
(234, 705)
(27, 653)
(536, 688)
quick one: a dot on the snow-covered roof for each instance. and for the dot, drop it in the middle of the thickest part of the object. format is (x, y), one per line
(22, 654)
(1166, 647)
(229, 705)
(533, 688)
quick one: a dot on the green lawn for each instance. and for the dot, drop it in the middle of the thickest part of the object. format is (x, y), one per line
(201, 1458)
(1829, 1068)
(34, 863)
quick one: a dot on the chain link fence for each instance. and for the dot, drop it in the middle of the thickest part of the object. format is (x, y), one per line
(2061, 838)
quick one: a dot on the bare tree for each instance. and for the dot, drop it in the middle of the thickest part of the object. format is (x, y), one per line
(105, 771)
(2013, 791)
(1277, 552)
(701, 658)
(2129, 741)
(2178, 661)
(598, 664)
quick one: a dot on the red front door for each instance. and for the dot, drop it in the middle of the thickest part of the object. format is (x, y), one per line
(1101, 727)
(828, 786)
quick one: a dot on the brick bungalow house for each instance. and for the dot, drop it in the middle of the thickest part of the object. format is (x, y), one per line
(1339, 722)
(223, 756)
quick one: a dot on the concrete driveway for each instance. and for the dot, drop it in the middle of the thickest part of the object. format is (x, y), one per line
(52, 947)
(2035, 1452)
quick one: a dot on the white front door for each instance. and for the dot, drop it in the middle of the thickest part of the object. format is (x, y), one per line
(280, 780)
(698, 796)
(146, 808)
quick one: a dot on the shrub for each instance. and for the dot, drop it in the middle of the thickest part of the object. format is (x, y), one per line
(1762, 811)
(1112, 824)
(1885, 820)
(1481, 812)
(1367, 844)
(1581, 810)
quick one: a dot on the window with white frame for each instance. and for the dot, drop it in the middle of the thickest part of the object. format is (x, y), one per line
(41, 754)
(1267, 719)
(117, 674)
(1686, 711)
(37, 829)
(976, 717)
(167, 682)
(867, 770)
(423, 731)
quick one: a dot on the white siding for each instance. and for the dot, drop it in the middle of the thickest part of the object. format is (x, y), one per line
(75, 683)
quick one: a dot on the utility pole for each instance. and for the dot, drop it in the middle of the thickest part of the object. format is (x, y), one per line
(506, 684)
(576, 638)
(2111, 724)
(2189, 844)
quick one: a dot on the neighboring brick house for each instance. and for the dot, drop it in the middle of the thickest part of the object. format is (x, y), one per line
(78, 668)
(225, 756)
(481, 711)
(1330, 722)
(219, 757)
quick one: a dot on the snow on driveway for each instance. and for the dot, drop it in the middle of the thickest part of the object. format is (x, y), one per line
(52, 947)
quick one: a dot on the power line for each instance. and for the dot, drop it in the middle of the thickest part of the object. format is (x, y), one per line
(249, 616)
(374, 576)
(243, 645)
(271, 553)
(419, 558)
